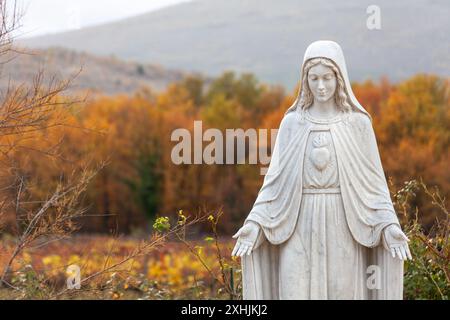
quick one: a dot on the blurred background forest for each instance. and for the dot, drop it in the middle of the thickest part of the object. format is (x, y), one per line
(411, 120)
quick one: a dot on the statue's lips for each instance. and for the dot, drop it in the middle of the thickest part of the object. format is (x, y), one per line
(322, 96)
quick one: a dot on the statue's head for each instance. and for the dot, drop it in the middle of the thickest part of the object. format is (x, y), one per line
(322, 81)
(324, 77)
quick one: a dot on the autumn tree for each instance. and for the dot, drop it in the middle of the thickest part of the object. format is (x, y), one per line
(27, 117)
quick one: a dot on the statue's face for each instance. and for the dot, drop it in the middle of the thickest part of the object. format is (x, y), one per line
(322, 82)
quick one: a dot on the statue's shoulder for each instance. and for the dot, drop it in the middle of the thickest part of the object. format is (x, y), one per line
(361, 126)
(359, 119)
(290, 120)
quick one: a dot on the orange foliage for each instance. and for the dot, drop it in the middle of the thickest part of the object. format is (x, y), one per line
(411, 121)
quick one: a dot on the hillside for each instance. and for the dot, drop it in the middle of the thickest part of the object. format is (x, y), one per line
(268, 37)
(107, 75)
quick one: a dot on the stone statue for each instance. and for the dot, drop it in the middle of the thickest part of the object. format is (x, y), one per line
(323, 225)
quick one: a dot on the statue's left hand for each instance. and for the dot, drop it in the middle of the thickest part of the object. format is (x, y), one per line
(397, 242)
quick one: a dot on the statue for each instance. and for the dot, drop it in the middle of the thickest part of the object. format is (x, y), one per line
(323, 225)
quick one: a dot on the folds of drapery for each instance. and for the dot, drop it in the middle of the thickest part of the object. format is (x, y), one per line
(365, 195)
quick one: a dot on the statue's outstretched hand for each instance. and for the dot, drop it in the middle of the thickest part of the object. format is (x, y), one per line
(397, 242)
(246, 239)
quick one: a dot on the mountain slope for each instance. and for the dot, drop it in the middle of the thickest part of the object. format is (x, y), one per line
(106, 75)
(268, 37)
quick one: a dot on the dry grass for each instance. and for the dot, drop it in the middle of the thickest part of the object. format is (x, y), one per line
(171, 271)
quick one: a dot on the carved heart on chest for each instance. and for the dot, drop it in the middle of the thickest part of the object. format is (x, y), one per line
(320, 158)
(320, 155)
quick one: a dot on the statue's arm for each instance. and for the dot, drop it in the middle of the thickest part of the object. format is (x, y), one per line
(250, 236)
(393, 238)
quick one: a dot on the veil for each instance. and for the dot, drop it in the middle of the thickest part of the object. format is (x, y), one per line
(330, 50)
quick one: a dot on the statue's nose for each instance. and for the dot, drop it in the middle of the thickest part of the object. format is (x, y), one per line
(321, 86)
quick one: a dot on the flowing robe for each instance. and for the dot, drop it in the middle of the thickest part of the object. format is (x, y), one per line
(366, 206)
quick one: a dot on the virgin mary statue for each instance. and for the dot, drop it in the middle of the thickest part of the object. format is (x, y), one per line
(323, 225)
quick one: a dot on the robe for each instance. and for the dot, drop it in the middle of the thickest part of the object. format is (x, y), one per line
(365, 197)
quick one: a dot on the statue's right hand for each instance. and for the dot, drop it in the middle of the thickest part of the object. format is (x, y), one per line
(246, 239)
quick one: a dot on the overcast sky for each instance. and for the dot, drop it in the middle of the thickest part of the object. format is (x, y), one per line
(49, 16)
